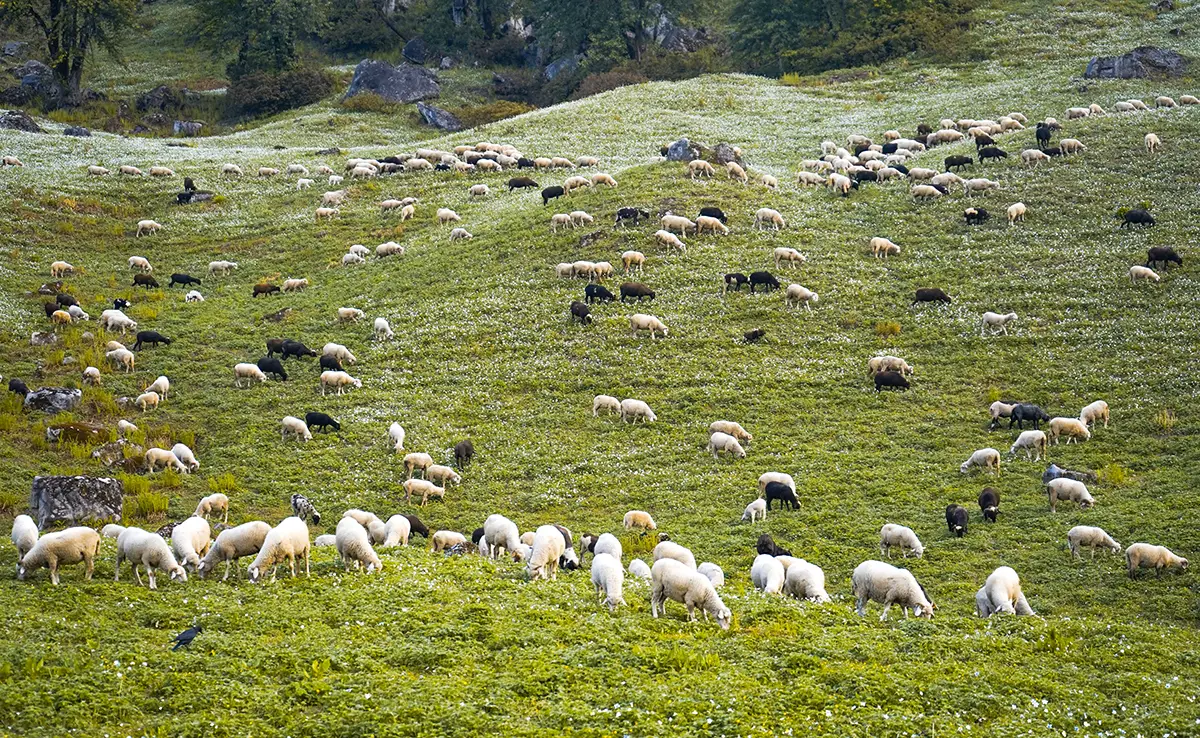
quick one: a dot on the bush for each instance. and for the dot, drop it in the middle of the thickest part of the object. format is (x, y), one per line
(1165, 420)
(10, 502)
(262, 94)
(478, 115)
(148, 506)
(594, 84)
(887, 328)
(369, 102)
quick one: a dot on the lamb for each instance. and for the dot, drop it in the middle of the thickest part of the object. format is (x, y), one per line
(1070, 490)
(1098, 410)
(643, 322)
(768, 216)
(901, 537)
(988, 458)
(700, 168)
(639, 519)
(288, 540)
(445, 539)
(24, 535)
(1140, 272)
(608, 578)
(672, 550)
(1002, 593)
(989, 503)
(60, 317)
(767, 574)
(605, 402)
(122, 358)
(147, 226)
(1072, 428)
(782, 492)
(1091, 537)
(670, 239)
(1016, 212)
(304, 184)
(185, 456)
(882, 247)
(349, 315)
(994, 320)
(1147, 556)
(805, 581)
(632, 410)
(292, 425)
(1153, 143)
(91, 375)
(723, 442)
(416, 461)
(248, 372)
(675, 581)
(1033, 442)
(214, 503)
(191, 540)
(548, 546)
(354, 547)
(639, 569)
(798, 294)
(956, 520)
(149, 551)
(886, 584)
(156, 457)
(789, 255)
(464, 451)
(70, 546)
(231, 170)
(193, 296)
(339, 381)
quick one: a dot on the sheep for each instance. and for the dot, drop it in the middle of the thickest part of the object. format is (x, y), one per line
(988, 458)
(882, 248)
(1071, 146)
(130, 171)
(1070, 490)
(989, 503)
(548, 546)
(736, 172)
(994, 320)
(147, 226)
(898, 536)
(461, 234)
(1162, 101)
(339, 351)
(304, 184)
(981, 185)
(608, 578)
(605, 402)
(700, 168)
(879, 364)
(643, 322)
(156, 457)
(248, 372)
(423, 487)
(288, 540)
(60, 317)
(1072, 428)
(672, 550)
(1153, 143)
(789, 255)
(24, 535)
(193, 296)
(338, 380)
(221, 267)
(501, 534)
(805, 581)
(442, 474)
(97, 171)
(70, 546)
(709, 223)
(294, 426)
(122, 358)
(185, 456)
(1097, 410)
(670, 239)
(91, 375)
(1073, 113)
(61, 269)
(889, 585)
(797, 294)
(767, 574)
(349, 315)
(1034, 444)
(327, 214)
(675, 581)
(149, 551)
(810, 179)
(396, 531)
(631, 260)
(417, 461)
(231, 170)
(768, 216)
(267, 171)
(354, 546)
(672, 223)
(190, 540)
(1091, 537)
(446, 539)
(920, 174)
(633, 410)
(639, 569)
(778, 477)
(334, 198)
(1189, 100)
(926, 192)
(719, 442)
(1140, 272)
(1002, 593)
(214, 503)
(141, 264)
(446, 215)
(388, 248)
(1016, 213)
(161, 172)
(639, 519)
(1147, 556)
(124, 427)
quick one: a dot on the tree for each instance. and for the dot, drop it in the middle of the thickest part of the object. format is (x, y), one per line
(71, 30)
(570, 27)
(264, 32)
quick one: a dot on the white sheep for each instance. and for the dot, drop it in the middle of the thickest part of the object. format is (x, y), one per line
(122, 357)
(501, 534)
(767, 574)
(124, 427)
(732, 428)
(880, 582)
(112, 530)
(1189, 100)
(981, 184)
(805, 581)
(295, 285)
(1097, 410)
(1070, 490)
(61, 269)
(383, 330)
(214, 503)
(339, 381)
(1002, 593)
(292, 425)
(608, 578)
(1033, 157)
(288, 540)
(670, 239)
(548, 547)
(1147, 556)
(1091, 537)
(639, 569)
(185, 456)
(1016, 213)
(396, 531)
(91, 375)
(723, 442)
(349, 314)
(988, 458)
(327, 214)
(193, 296)
(1162, 101)
(672, 223)
(1072, 428)
(714, 573)
(248, 372)
(424, 488)
(304, 184)
(396, 436)
(790, 256)
(221, 268)
(354, 547)
(445, 475)
(389, 248)
(132, 171)
(363, 517)
(780, 477)
(156, 457)
(231, 170)
(147, 226)
(415, 461)
(767, 216)
(70, 546)
(1034, 444)
(901, 537)
(461, 234)
(1153, 143)
(1071, 146)
(191, 540)
(446, 215)
(700, 168)
(799, 295)
(339, 351)
(882, 247)
(149, 551)
(755, 510)
(632, 410)
(140, 263)
(24, 534)
(672, 550)
(639, 519)
(643, 322)
(925, 192)
(609, 544)
(675, 581)
(1137, 272)
(996, 320)
(97, 171)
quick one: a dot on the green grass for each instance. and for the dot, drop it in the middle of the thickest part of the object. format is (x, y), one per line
(484, 349)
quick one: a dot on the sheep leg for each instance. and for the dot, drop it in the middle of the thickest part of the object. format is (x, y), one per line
(150, 576)
(54, 572)
(887, 606)
(91, 567)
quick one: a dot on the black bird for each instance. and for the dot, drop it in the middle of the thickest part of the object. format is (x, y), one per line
(186, 637)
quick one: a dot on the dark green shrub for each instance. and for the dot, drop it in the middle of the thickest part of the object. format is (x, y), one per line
(262, 94)
(478, 115)
(594, 84)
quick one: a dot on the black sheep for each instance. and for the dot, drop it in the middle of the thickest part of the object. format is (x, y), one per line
(1137, 216)
(754, 336)
(766, 545)
(636, 290)
(859, 148)
(550, 193)
(321, 420)
(264, 289)
(477, 536)
(119, 304)
(624, 214)
(274, 346)
(901, 168)
(983, 140)
(1023, 412)
(416, 527)
(295, 348)
(182, 279)
(1053, 151)
(895, 380)
(441, 167)
(1043, 135)
(976, 216)
(890, 148)
(991, 152)
(1164, 254)
(18, 387)
(50, 308)
(525, 163)
(783, 493)
(597, 292)
(189, 185)
(580, 312)
(329, 362)
(65, 300)
(956, 520)
(271, 365)
(151, 337)
(924, 129)
(958, 161)
(940, 188)
(737, 279)
(710, 212)
(931, 294)
(520, 183)
(145, 280)
(464, 451)
(864, 176)
(765, 279)
(989, 503)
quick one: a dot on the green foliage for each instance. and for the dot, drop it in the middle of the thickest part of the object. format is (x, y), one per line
(225, 483)
(11, 502)
(612, 28)
(133, 485)
(594, 84)
(369, 102)
(263, 93)
(887, 329)
(168, 479)
(1165, 420)
(480, 115)
(265, 34)
(148, 506)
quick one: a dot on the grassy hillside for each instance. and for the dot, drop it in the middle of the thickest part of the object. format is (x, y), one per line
(456, 646)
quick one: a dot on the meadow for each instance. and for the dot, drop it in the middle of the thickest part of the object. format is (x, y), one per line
(484, 350)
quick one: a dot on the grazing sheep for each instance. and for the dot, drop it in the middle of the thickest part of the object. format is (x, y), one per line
(643, 322)
(156, 457)
(605, 402)
(304, 184)
(221, 267)
(767, 574)
(248, 372)
(989, 503)
(633, 410)
(1072, 428)
(96, 171)
(1147, 556)
(1016, 213)
(639, 569)
(193, 296)
(996, 320)
(147, 226)
(723, 442)
(70, 546)
(805, 581)
(415, 461)
(149, 551)
(349, 315)
(1189, 100)
(1070, 490)
(124, 427)
(91, 376)
(338, 380)
(675, 581)
(700, 168)
(789, 255)
(878, 364)
(1033, 157)
(766, 545)
(1164, 255)
(286, 541)
(446, 539)
(338, 351)
(1002, 593)
(882, 248)
(639, 519)
(782, 492)
(501, 534)
(709, 223)
(548, 546)
(891, 379)
(880, 582)
(442, 474)
(354, 546)
(1034, 444)
(461, 234)
(185, 456)
(383, 330)
(780, 477)
(122, 358)
(670, 239)
(1153, 143)
(231, 170)
(1071, 146)
(1098, 410)
(1091, 537)
(768, 216)
(130, 170)
(1140, 272)
(141, 264)
(927, 192)
(61, 269)
(988, 458)
(296, 285)
(956, 520)
(608, 578)
(797, 294)
(1162, 101)
(981, 185)
(898, 536)
(327, 214)
(732, 428)
(446, 215)
(295, 426)
(24, 535)
(191, 540)
(714, 573)
(214, 503)
(396, 531)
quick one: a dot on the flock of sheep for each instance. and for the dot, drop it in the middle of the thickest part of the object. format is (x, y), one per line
(674, 573)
